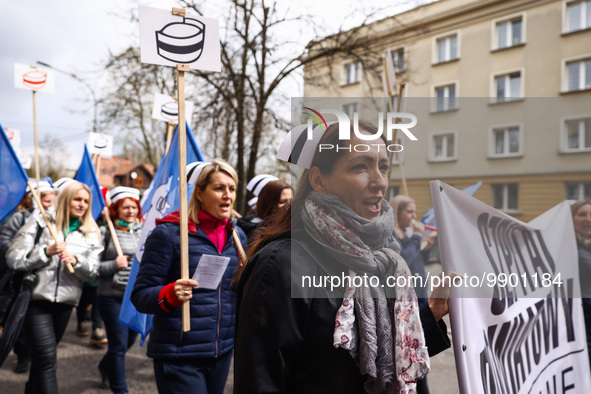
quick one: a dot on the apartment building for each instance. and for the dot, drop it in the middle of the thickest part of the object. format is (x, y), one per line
(501, 91)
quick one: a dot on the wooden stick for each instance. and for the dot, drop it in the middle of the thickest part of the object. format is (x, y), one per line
(168, 136)
(114, 235)
(184, 220)
(47, 222)
(241, 254)
(400, 164)
(35, 136)
(97, 166)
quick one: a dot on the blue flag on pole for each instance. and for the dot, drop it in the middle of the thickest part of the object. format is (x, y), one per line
(13, 178)
(87, 174)
(429, 217)
(162, 198)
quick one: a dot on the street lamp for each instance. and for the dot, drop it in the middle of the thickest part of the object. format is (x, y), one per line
(77, 78)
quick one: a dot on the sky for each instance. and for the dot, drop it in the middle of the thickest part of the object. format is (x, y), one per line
(76, 36)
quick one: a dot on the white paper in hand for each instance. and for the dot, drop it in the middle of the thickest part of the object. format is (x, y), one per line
(210, 270)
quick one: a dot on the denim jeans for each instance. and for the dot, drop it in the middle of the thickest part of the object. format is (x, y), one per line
(120, 339)
(45, 323)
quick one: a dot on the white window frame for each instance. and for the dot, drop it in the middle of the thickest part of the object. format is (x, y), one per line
(581, 189)
(432, 136)
(493, 85)
(397, 68)
(564, 135)
(565, 62)
(494, 44)
(565, 5)
(435, 46)
(505, 202)
(492, 142)
(344, 69)
(353, 105)
(443, 85)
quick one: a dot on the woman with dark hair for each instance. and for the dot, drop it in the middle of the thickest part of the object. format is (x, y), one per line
(274, 196)
(581, 211)
(271, 195)
(114, 273)
(56, 290)
(196, 361)
(350, 334)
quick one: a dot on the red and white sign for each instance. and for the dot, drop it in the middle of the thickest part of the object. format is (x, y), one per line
(34, 78)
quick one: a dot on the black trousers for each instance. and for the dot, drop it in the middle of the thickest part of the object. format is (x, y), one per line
(45, 323)
(87, 298)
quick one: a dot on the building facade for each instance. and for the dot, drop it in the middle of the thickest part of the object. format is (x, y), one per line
(501, 91)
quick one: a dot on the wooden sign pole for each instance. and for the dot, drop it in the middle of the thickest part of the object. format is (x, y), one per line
(112, 229)
(35, 136)
(97, 165)
(400, 164)
(181, 69)
(389, 94)
(114, 236)
(168, 136)
(47, 222)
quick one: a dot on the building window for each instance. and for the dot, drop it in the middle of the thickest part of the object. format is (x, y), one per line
(505, 197)
(578, 75)
(350, 109)
(508, 86)
(352, 73)
(398, 59)
(506, 141)
(447, 48)
(578, 15)
(577, 134)
(509, 32)
(446, 98)
(443, 146)
(577, 190)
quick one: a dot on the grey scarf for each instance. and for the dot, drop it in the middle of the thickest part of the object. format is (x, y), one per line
(386, 338)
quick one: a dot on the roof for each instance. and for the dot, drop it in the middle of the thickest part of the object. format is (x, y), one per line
(115, 166)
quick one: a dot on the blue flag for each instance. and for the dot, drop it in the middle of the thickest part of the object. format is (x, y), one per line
(87, 174)
(13, 178)
(162, 198)
(429, 217)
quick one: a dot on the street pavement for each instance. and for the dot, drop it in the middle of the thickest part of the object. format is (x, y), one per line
(77, 367)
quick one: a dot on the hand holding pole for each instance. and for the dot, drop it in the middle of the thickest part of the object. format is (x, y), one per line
(49, 225)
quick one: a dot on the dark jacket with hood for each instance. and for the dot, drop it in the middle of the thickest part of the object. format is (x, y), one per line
(212, 311)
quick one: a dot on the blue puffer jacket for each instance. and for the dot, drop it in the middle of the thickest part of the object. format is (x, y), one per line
(212, 311)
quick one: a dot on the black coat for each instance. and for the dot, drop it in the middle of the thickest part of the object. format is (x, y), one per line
(284, 333)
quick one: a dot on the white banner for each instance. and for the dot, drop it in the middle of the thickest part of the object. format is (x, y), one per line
(517, 323)
(168, 39)
(34, 78)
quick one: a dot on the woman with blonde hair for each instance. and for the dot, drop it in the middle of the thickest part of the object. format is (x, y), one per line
(196, 361)
(56, 290)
